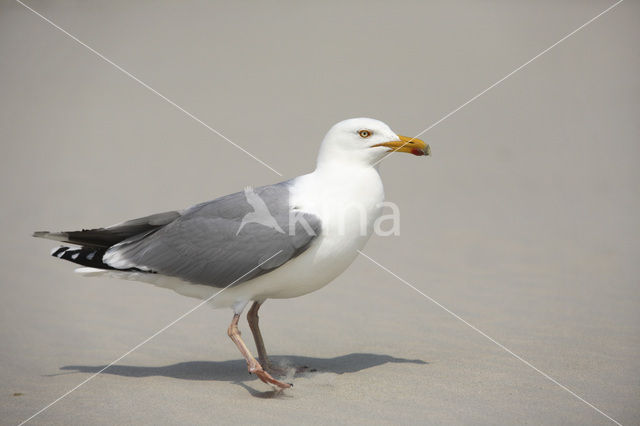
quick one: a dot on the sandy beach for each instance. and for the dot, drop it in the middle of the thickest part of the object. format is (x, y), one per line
(521, 230)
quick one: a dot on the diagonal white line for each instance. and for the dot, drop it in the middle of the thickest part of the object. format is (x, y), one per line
(145, 85)
(500, 345)
(504, 78)
(149, 338)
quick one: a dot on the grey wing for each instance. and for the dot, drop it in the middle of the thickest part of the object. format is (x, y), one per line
(204, 246)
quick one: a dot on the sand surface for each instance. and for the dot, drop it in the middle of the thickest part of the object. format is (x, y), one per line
(524, 222)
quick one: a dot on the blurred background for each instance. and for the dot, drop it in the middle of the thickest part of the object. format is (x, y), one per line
(524, 221)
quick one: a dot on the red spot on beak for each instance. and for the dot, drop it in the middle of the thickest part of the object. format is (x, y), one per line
(417, 152)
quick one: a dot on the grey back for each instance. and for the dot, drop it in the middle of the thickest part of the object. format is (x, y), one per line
(204, 246)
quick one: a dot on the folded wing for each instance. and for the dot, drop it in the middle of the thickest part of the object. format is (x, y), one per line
(203, 244)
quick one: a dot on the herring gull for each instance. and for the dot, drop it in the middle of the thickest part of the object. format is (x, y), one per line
(272, 242)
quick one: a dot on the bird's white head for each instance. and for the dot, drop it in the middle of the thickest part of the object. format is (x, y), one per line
(365, 141)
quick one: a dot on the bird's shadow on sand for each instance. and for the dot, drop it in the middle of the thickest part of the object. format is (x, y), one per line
(236, 370)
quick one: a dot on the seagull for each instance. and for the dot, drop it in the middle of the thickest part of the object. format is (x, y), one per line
(308, 230)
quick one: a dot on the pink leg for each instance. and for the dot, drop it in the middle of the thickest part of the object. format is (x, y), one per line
(253, 365)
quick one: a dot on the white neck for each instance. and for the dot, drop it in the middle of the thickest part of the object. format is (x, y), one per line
(341, 193)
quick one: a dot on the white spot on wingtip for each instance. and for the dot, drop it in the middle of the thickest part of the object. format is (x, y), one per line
(90, 255)
(55, 249)
(75, 255)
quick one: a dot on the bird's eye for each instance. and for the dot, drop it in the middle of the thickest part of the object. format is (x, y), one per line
(364, 133)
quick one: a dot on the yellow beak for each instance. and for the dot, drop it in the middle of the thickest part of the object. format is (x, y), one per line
(406, 144)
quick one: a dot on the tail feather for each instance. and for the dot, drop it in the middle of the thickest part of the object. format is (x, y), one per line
(56, 236)
(106, 237)
(94, 243)
(97, 238)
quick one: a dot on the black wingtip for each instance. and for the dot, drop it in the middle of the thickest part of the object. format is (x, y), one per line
(58, 252)
(40, 234)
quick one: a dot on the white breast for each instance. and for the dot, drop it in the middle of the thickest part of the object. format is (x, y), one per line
(347, 202)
